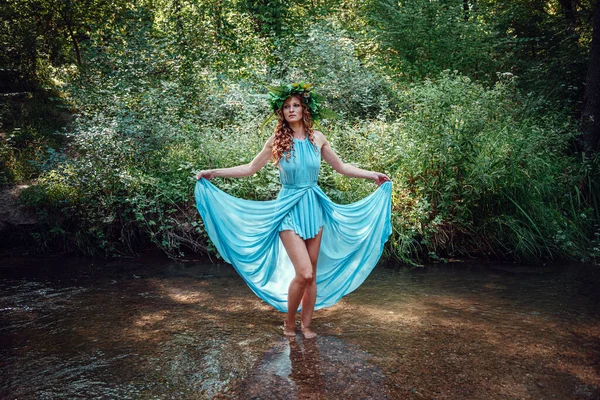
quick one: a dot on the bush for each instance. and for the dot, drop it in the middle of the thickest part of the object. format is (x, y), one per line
(28, 138)
(478, 171)
(328, 57)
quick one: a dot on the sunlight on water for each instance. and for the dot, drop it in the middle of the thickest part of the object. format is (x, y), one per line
(157, 329)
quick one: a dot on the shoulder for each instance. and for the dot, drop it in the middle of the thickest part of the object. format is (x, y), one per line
(320, 139)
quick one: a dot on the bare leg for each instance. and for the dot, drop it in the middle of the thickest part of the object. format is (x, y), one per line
(296, 249)
(310, 295)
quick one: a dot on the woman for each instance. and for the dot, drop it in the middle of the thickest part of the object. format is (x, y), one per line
(245, 232)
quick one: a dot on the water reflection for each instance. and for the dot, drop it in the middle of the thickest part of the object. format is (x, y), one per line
(306, 367)
(321, 368)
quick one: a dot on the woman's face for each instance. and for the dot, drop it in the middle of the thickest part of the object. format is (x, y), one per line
(293, 109)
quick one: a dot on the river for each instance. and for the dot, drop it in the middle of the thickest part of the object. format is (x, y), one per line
(152, 328)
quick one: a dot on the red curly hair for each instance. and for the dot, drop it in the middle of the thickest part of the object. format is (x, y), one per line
(283, 143)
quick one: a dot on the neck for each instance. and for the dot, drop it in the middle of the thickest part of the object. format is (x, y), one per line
(298, 128)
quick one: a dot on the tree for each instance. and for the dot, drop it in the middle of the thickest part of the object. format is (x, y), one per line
(38, 34)
(590, 117)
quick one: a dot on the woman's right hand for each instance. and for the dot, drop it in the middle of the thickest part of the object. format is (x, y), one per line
(206, 174)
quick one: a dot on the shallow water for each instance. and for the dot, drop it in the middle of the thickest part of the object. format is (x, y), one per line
(153, 328)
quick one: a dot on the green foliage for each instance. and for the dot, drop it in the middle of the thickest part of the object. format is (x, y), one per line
(37, 35)
(326, 56)
(420, 39)
(543, 43)
(28, 136)
(478, 171)
(481, 162)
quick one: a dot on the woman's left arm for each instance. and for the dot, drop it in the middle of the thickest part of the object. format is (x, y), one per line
(346, 169)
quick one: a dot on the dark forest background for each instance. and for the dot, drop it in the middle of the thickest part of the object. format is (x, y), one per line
(485, 114)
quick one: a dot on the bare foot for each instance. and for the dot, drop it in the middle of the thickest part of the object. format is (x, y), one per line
(288, 331)
(308, 333)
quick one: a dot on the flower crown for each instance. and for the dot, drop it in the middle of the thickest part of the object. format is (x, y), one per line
(278, 95)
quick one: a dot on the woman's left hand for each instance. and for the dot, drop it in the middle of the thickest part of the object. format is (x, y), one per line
(379, 178)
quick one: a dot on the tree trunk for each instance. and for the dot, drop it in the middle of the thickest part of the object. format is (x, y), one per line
(69, 24)
(75, 43)
(217, 15)
(590, 117)
(567, 6)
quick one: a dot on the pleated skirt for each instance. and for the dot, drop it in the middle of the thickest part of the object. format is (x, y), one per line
(306, 218)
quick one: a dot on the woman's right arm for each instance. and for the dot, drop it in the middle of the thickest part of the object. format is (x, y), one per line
(251, 168)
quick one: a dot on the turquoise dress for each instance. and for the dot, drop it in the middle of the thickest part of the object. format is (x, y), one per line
(246, 232)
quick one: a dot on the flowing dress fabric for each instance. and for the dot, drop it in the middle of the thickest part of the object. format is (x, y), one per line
(246, 232)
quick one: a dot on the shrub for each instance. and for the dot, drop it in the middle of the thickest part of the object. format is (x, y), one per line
(478, 171)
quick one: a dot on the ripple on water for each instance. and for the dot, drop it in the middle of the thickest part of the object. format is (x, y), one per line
(171, 331)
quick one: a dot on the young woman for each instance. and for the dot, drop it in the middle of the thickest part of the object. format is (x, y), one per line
(331, 248)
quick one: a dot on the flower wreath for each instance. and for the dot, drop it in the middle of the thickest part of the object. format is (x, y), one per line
(278, 95)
